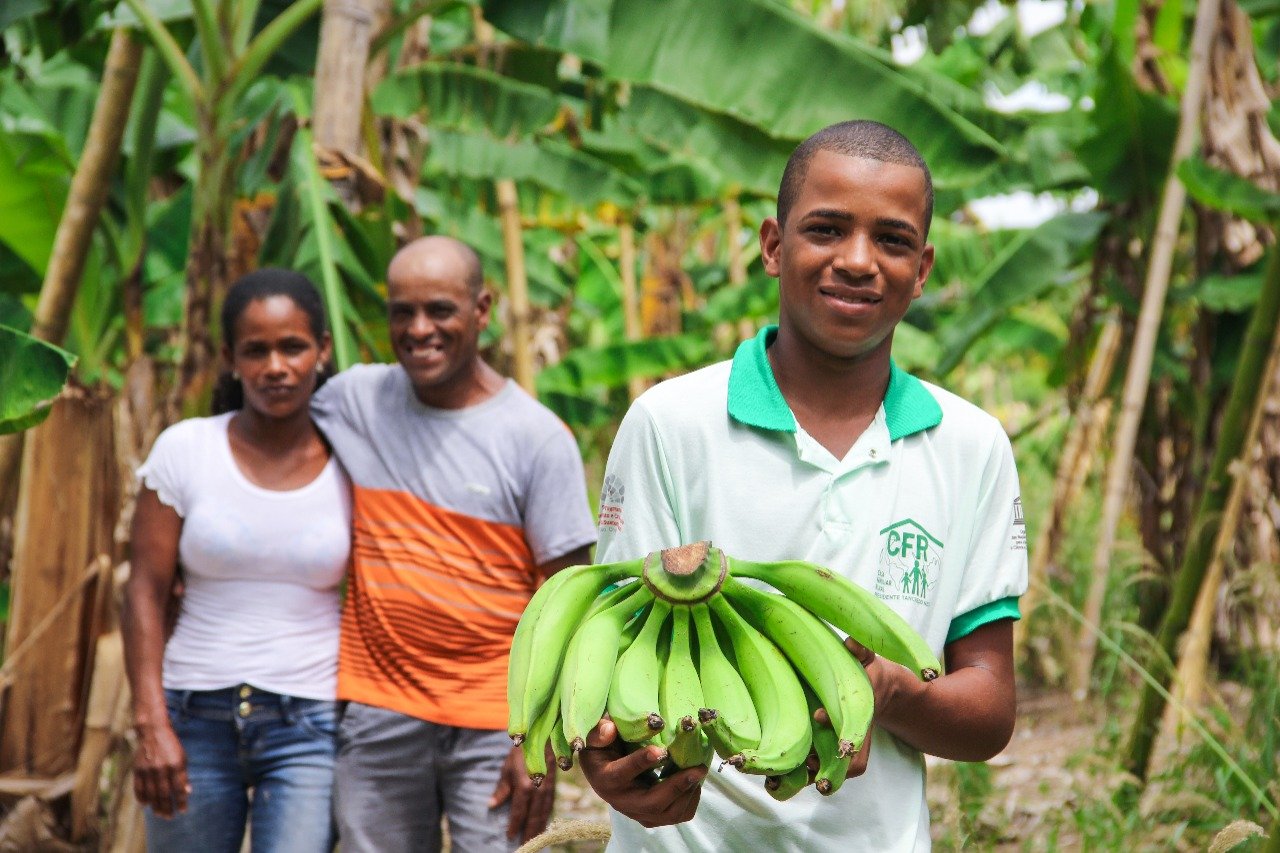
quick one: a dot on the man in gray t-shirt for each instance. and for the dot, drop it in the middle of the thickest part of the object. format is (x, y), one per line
(467, 493)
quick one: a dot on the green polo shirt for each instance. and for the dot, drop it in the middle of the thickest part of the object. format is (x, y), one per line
(924, 510)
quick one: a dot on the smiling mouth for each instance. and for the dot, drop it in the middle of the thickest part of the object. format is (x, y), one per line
(278, 390)
(424, 351)
(851, 298)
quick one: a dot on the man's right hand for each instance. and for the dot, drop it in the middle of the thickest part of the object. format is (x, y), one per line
(626, 783)
(160, 770)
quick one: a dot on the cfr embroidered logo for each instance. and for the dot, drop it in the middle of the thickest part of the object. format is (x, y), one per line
(910, 563)
(611, 498)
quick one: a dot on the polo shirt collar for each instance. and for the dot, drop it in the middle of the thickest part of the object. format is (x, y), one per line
(754, 398)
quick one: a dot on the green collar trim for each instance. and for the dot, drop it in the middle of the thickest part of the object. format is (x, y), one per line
(754, 398)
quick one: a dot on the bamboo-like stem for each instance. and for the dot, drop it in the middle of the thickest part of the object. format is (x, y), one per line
(1189, 681)
(1142, 354)
(169, 50)
(89, 188)
(630, 297)
(517, 284)
(1070, 475)
(345, 30)
(212, 48)
(1255, 351)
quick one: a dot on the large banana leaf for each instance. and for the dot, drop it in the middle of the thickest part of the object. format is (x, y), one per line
(580, 27)
(32, 373)
(462, 97)
(1029, 266)
(614, 365)
(549, 163)
(35, 172)
(1227, 192)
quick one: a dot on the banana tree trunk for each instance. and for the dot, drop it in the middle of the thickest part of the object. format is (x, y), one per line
(1258, 343)
(209, 245)
(71, 243)
(1190, 678)
(517, 284)
(1138, 378)
(1073, 467)
(630, 300)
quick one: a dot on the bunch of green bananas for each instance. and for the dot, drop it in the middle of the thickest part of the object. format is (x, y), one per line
(681, 653)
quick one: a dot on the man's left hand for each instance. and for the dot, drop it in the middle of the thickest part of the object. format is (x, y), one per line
(530, 806)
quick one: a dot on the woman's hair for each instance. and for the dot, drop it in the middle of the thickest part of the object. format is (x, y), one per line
(228, 393)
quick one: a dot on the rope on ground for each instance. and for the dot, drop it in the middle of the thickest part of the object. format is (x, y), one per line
(562, 831)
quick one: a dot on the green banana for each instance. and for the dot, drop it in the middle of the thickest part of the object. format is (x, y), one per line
(785, 733)
(680, 696)
(850, 608)
(729, 718)
(590, 659)
(534, 746)
(633, 693)
(548, 621)
(787, 785)
(833, 763)
(840, 682)
(560, 745)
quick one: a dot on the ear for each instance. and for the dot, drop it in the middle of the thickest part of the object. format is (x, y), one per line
(326, 348)
(926, 267)
(771, 245)
(484, 304)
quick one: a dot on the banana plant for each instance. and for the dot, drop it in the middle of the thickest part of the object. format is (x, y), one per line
(32, 373)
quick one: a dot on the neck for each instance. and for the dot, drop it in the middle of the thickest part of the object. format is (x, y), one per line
(274, 433)
(821, 384)
(470, 387)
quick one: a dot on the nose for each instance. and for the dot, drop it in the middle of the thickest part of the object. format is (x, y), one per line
(421, 326)
(856, 255)
(275, 364)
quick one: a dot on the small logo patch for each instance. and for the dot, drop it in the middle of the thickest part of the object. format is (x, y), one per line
(1018, 541)
(611, 498)
(910, 563)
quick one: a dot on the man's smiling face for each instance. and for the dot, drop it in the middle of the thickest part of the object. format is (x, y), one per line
(852, 255)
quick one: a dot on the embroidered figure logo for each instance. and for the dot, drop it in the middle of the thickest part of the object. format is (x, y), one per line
(910, 563)
(611, 498)
(1018, 541)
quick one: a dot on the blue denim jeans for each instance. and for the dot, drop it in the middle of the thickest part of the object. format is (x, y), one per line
(253, 757)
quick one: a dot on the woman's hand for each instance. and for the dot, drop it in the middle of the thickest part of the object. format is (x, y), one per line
(160, 770)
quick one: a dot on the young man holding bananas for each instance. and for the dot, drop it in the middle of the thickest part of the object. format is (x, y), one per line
(812, 445)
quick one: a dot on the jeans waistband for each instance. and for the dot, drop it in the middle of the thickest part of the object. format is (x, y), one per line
(243, 701)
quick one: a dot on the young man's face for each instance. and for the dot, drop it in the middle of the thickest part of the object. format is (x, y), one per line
(852, 255)
(435, 322)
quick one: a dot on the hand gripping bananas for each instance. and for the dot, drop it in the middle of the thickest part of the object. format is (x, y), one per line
(681, 652)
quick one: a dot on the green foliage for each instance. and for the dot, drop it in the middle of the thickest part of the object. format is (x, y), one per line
(32, 373)
(1227, 192)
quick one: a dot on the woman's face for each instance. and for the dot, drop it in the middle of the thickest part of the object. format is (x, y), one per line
(277, 356)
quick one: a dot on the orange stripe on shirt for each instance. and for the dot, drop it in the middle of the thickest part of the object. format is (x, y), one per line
(434, 600)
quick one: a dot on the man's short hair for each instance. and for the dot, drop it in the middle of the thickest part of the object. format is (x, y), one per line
(863, 138)
(473, 269)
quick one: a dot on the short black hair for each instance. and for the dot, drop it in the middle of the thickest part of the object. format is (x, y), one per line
(265, 283)
(869, 140)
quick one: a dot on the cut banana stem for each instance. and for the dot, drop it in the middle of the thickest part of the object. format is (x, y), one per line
(849, 607)
(837, 678)
(785, 733)
(687, 575)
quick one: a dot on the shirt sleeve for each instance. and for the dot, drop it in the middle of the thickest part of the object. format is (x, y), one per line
(557, 517)
(996, 564)
(165, 471)
(637, 507)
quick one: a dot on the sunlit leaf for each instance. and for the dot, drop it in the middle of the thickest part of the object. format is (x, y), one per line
(32, 373)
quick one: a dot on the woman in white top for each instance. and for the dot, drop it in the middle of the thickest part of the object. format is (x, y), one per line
(235, 711)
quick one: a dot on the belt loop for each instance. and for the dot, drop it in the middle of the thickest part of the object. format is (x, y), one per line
(286, 709)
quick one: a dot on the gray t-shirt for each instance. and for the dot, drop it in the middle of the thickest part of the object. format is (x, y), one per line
(453, 509)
